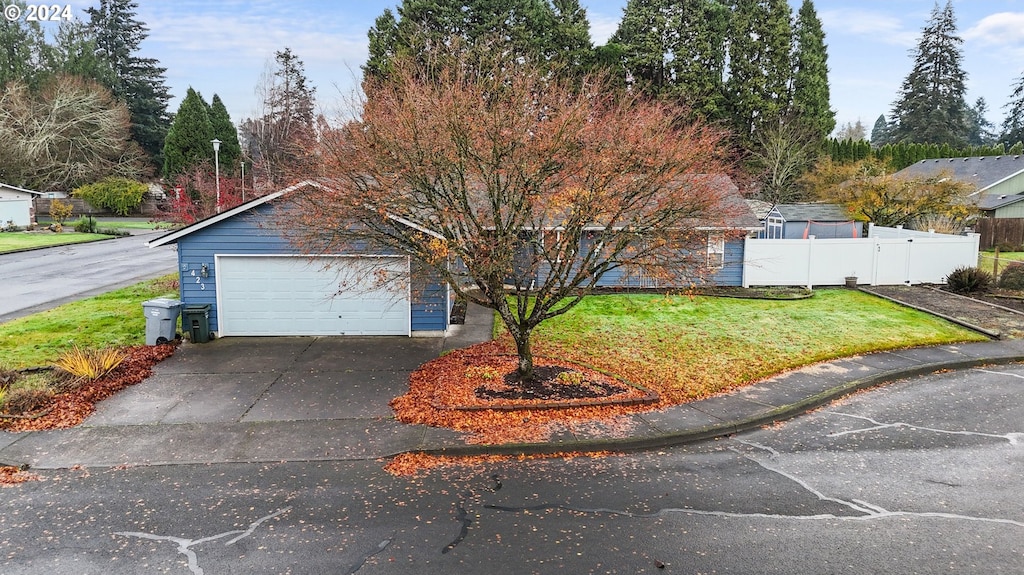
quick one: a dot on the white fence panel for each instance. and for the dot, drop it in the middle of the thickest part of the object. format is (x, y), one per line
(890, 257)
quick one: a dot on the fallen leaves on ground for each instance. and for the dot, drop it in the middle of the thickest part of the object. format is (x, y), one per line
(440, 385)
(416, 464)
(13, 476)
(71, 408)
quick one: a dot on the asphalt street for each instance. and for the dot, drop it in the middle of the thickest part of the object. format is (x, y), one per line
(36, 280)
(919, 476)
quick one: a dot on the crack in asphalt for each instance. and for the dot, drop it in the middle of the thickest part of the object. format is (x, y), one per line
(380, 547)
(185, 545)
(1013, 438)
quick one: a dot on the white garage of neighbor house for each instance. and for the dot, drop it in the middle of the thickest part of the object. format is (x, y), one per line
(16, 207)
(257, 284)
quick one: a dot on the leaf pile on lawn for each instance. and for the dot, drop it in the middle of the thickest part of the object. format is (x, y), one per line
(440, 387)
(77, 401)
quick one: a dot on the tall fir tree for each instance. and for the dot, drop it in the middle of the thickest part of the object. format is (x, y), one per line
(75, 52)
(644, 38)
(555, 32)
(24, 53)
(225, 131)
(698, 55)
(880, 132)
(188, 140)
(980, 130)
(811, 104)
(1013, 124)
(931, 107)
(759, 65)
(139, 82)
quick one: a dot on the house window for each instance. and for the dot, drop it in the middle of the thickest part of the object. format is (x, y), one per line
(773, 228)
(716, 250)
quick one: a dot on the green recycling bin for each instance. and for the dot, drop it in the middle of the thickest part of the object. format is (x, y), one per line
(195, 320)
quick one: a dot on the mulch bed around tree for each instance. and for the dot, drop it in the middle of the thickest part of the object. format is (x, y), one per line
(70, 408)
(473, 390)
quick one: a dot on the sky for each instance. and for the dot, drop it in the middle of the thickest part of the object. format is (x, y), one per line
(224, 46)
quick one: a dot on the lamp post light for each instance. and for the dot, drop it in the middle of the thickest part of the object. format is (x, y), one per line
(243, 182)
(216, 167)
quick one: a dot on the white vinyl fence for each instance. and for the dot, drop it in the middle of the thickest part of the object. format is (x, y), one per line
(888, 256)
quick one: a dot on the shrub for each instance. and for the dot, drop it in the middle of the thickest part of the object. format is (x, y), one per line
(21, 401)
(119, 195)
(965, 280)
(88, 364)
(86, 225)
(60, 211)
(1012, 277)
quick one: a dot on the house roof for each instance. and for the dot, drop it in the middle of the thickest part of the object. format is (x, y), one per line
(981, 171)
(740, 215)
(994, 202)
(813, 212)
(17, 189)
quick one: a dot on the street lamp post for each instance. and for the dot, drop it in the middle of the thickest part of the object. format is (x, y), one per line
(216, 167)
(243, 182)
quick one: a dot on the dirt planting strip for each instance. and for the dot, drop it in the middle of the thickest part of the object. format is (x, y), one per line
(988, 318)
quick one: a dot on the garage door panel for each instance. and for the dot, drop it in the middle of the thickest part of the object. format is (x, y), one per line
(264, 295)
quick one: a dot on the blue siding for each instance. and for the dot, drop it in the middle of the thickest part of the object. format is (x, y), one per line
(245, 234)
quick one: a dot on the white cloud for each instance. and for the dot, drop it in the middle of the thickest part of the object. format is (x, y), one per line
(1002, 29)
(602, 27)
(876, 26)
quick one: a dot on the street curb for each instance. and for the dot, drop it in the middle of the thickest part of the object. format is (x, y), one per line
(780, 413)
(37, 248)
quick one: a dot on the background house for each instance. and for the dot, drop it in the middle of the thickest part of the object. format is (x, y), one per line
(801, 221)
(996, 179)
(16, 206)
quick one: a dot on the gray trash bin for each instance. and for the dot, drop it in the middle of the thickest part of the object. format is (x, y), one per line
(161, 319)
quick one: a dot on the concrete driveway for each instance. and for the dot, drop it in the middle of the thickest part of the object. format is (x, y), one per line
(262, 379)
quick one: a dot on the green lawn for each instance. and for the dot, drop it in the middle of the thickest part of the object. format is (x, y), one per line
(986, 260)
(108, 320)
(687, 348)
(14, 241)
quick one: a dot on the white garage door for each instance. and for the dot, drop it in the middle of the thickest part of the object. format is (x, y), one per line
(288, 295)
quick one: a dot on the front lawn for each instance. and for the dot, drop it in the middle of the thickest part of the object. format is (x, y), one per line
(14, 241)
(112, 319)
(688, 348)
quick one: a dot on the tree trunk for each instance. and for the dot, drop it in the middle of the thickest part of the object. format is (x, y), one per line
(525, 369)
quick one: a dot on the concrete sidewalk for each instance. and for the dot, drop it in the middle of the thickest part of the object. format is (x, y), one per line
(313, 399)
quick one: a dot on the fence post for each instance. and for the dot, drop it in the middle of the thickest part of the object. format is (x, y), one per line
(810, 260)
(995, 263)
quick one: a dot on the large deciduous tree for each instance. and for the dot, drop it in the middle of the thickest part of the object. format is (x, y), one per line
(888, 200)
(139, 82)
(71, 132)
(279, 140)
(931, 107)
(519, 189)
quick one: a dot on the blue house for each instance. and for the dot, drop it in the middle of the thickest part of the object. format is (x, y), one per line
(257, 284)
(800, 221)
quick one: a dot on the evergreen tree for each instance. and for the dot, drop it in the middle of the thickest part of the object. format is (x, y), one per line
(139, 82)
(880, 132)
(224, 130)
(554, 32)
(698, 55)
(75, 53)
(188, 140)
(1013, 125)
(980, 130)
(810, 76)
(931, 107)
(24, 54)
(644, 35)
(759, 64)
(279, 139)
